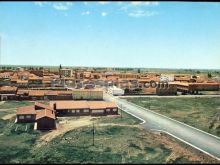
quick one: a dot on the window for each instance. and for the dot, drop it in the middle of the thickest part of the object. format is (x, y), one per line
(28, 116)
(114, 109)
(86, 110)
(73, 111)
(21, 117)
(108, 110)
(97, 111)
(77, 111)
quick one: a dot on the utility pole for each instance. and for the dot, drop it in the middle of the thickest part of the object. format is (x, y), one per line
(93, 135)
(121, 111)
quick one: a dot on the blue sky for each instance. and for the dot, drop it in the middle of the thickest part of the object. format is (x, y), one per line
(111, 34)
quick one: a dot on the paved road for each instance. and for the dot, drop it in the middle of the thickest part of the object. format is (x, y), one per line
(203, 141)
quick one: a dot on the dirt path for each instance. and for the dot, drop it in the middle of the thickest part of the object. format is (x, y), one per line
(14, 109)
(67, 124)
(2, 102)
(62, 128)
(9, 116)
(122, 125)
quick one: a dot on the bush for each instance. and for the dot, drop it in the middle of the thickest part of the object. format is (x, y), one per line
(108, 149)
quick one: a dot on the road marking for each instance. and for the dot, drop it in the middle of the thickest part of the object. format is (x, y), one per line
(187, 143)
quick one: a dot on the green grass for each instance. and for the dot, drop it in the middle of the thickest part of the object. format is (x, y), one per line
(15, 145)
(125, 118)
(197, 112)
(113, 144)
(15, 104)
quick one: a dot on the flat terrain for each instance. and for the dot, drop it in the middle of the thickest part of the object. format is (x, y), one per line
(117, 140)
(202, 113)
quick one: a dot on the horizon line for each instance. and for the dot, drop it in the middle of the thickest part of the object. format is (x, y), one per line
(107, 67)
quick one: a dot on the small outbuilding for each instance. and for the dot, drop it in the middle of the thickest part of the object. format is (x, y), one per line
(45, 119)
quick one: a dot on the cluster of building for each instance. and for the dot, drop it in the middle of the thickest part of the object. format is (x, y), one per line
(44, 116)
(66, 84)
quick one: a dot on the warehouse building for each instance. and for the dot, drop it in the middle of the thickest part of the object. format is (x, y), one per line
(7, 93)
(82, 108)
(195, 87)
(87, 94)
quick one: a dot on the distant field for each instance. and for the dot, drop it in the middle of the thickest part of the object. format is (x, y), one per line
(210, 92)
(117, 140)
(202, 113)
(15, 104)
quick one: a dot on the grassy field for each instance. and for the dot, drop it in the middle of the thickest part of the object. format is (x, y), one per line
(202, 113)
(15, 104)
(210, 92)
(117, 140)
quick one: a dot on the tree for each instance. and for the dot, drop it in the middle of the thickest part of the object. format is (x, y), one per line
(198, 72)
(60, 66)
(209, 75)
(139, 70)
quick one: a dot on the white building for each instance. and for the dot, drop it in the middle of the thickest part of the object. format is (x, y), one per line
(115, 91)
(167, 78)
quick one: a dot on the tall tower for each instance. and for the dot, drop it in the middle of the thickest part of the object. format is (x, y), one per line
(59, 70)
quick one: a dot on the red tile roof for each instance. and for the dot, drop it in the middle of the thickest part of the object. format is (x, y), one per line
(43, 106)
(8, 88)
(54, 93)
(27, 110)
(83, 104)
(96, 104)
(36, 93)
(71, 105)
(21, 92)
(45, 113)
(22, 81)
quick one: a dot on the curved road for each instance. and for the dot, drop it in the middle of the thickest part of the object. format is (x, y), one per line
(200, 140)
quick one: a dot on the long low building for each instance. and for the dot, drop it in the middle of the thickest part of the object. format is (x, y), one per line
(87, 94)
(80, 108)
(75, 94)
(7, 92)
(195, 87)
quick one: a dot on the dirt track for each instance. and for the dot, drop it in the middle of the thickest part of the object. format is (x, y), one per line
(64, 126)
(9, 116)
(2, 102)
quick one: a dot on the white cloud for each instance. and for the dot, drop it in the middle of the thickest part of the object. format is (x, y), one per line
(103, 2)
(69, 3)
(62, 6)
(103, 14)
(142, 13)
(86, 13)
(39, 3)
(144, 3)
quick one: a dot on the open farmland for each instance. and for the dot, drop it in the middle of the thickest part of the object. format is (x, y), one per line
(116, 140)
(202, 113)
